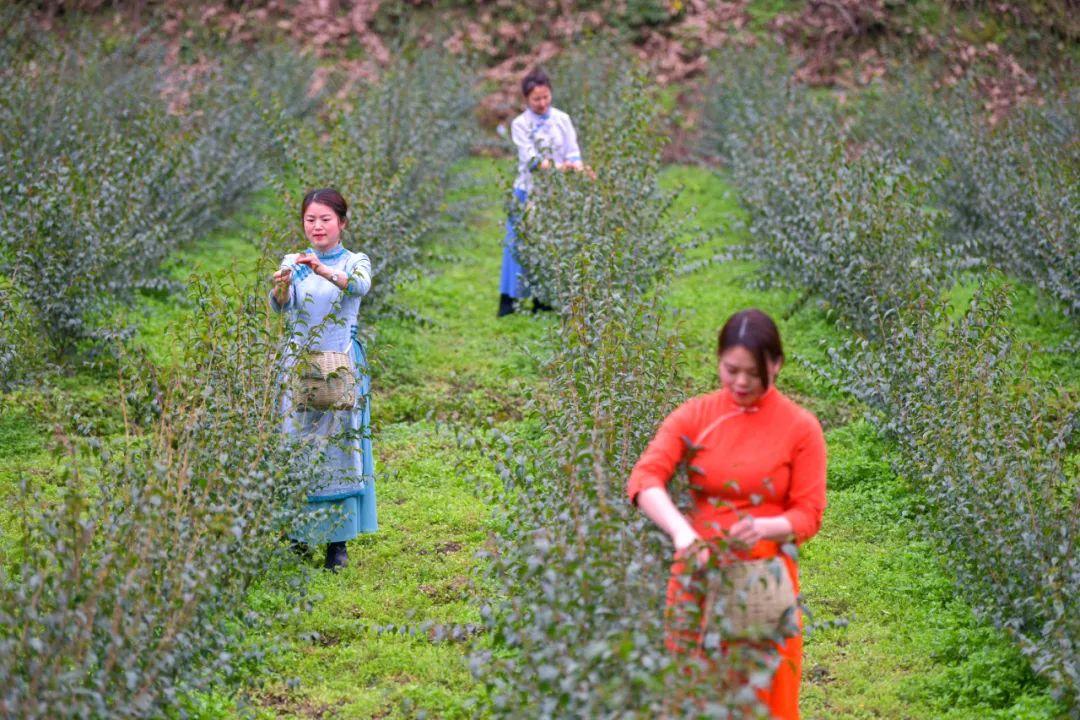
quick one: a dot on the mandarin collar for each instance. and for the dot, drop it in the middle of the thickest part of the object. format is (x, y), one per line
(332, 254)
(764, 401)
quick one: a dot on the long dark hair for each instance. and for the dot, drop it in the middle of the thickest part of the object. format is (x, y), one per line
(329, 197)
(755, 331)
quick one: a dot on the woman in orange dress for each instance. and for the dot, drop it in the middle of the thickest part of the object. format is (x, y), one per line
(757, 478)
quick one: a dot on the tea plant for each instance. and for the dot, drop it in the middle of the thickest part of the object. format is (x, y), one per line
(1010, 190)
(857, 233)
(581, 235)
(578, 573)
(101, 179)
(984, 445)
(390, 151)
(129, 590)
(132, 593)
(988, 449)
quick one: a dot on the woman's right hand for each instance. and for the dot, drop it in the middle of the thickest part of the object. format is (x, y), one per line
(691, 545)
(281, 280)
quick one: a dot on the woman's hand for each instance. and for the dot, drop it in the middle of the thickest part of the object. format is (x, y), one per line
(338, 279)
(281, 280)
(545, 164)
(745, 533)
(311, 261)
(691, 545)
(749, 530)
(578, 166)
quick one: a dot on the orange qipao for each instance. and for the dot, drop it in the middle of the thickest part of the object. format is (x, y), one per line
(764, 460)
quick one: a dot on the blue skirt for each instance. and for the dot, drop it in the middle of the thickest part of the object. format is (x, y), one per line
(510, 279)
(342, 512)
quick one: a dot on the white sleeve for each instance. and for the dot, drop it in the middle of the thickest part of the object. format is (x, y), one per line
(527, 153)
(359, 270)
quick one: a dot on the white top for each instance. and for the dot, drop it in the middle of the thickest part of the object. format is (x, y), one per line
(539, 137)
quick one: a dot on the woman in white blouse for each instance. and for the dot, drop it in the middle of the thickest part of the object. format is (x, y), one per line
(545, 139)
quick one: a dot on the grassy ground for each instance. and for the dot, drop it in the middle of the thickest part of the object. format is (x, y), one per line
(892, 640)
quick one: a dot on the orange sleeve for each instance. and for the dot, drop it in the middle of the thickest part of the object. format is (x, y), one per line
(664, 452)
(806, 494)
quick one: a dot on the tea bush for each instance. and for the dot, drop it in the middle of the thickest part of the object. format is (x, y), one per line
(573, 223)
(129, 590)
(576, 572)
(988, 449)
(112, 159)
(852, 219)
(132, 593)
(853, 232)
(1011, 190)
(389, 151)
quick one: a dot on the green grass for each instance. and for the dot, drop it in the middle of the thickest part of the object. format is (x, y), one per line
(371, 646)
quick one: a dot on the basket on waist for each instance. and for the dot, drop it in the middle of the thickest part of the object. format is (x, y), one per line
(759, 599)
(325, 381)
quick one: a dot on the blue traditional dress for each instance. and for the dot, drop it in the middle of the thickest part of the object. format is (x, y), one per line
(324, 317)
(550, 136)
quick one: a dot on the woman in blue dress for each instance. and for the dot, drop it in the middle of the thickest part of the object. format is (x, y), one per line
(545, 138)
(320, 289)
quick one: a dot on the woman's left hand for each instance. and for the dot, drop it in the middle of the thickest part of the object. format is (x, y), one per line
(745, 532)
(750, 530)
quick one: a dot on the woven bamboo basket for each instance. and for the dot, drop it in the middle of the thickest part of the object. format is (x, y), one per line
(759, 599)
(325, 381)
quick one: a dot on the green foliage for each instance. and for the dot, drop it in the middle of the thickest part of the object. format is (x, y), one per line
(988, 448)
(855, 233)
(389, 152)
(132, 592)
(130, 589)
(984, 443)
(114, 159)
(577, 572)
(582, 239)
(1012, 191)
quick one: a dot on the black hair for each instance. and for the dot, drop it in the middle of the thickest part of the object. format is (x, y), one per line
(533, 80)
(329, 197)
(755, 331)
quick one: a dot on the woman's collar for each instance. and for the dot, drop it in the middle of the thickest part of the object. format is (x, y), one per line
(332, 254)
(766, 398)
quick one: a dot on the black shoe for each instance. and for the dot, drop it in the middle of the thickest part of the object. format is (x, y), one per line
(506, 305)
(540, 306)
(337, 556)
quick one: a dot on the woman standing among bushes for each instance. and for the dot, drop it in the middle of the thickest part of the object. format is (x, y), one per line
(545, 138)
(757, 477)
(320, 289)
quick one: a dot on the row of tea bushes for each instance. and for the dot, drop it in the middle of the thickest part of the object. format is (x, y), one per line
(866, 229)
(390, 150)
(576, 573)
(1012, 191)
(990, 450)
(125, 587)
(128, 587)
(113, 158)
